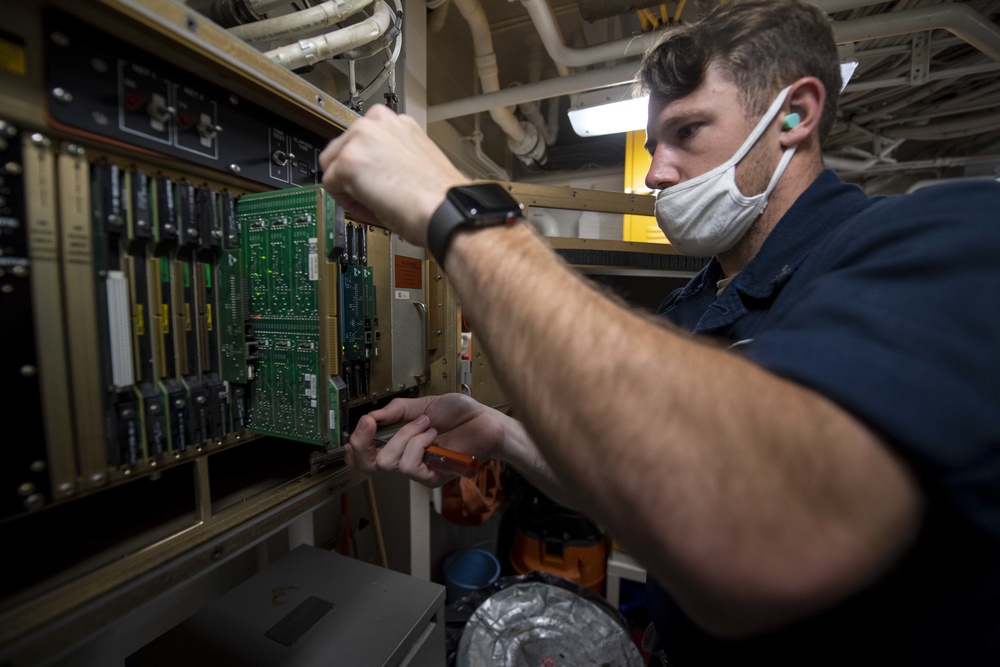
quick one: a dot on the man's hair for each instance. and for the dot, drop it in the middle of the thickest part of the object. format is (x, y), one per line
(761, 46)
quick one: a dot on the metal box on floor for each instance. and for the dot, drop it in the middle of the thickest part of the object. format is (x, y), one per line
(311, 607)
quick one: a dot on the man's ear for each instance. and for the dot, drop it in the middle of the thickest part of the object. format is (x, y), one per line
(802, 110)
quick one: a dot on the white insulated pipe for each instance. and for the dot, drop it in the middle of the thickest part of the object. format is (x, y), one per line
(548, 128)
(486, 66)
(958, 19)
(541, 16)
(281, 28)
(530, 92)
(545, 24)
(306, 52)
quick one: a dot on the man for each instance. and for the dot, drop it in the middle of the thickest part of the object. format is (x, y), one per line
(811, 478)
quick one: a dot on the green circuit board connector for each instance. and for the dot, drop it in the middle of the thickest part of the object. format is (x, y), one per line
(285, 265)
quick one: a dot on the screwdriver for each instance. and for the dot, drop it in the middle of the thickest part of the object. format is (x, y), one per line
(438, 459)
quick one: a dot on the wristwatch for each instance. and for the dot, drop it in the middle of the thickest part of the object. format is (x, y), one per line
(470, 207)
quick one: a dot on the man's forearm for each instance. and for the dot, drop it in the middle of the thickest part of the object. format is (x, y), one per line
(693, 456)
(520, 452)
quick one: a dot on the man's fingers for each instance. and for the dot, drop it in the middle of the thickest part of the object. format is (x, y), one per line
(411, 463)
(360, 451)
(389, 455)
(393, 413)
(327, 155)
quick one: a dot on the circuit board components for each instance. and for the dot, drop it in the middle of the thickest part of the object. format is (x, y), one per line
(292, 288)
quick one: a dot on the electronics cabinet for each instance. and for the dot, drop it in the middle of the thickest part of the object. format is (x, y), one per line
(190, 324)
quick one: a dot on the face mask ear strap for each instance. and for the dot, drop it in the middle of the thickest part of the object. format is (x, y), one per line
(762, 125)
(741, 152)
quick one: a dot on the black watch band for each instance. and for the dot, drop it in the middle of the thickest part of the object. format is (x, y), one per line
(469, 207)
(446, 219)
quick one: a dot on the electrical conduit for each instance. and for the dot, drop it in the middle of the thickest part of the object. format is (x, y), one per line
(309, 51)
(281, 28)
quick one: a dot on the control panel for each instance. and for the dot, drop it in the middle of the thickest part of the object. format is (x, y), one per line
(102, 86)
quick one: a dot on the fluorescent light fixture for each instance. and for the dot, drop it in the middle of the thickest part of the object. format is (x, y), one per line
(607, 111)
(846, 72)
(613, 110)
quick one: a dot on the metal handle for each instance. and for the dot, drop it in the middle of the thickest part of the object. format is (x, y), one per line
(422, 309)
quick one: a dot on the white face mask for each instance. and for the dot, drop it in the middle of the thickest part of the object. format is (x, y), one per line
(708, 214)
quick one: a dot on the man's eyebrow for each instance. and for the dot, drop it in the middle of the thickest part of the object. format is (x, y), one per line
(671, 121)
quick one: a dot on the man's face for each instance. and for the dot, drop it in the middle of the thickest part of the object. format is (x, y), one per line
(697, 133)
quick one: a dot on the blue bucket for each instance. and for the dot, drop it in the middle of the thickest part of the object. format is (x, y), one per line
(469, 570)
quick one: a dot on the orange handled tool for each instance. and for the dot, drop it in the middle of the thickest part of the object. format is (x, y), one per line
(436, 458)
(449, 461)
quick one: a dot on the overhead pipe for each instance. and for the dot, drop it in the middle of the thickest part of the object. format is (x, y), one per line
(228, 13)
(280, 28)
(835, 6)
(522, 137)
(958, 104)
(387, 73)
(477, 142)
(937, 181)
(951, 129)
(532, 113)
(926, 115)
(847, 166)
(545, 24)
(902, 103)
(564, 57)
(863, 159)
(307, 52)
(937, 75)
(529, 92)
(548, 127)
(561, 54)
(961, 20)
(936, 46)
(438, 12)
(953, 105)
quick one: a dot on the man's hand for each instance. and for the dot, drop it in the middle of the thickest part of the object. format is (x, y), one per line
(454, 421)
(385, 171)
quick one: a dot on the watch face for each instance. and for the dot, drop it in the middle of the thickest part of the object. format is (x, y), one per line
(485, 203)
